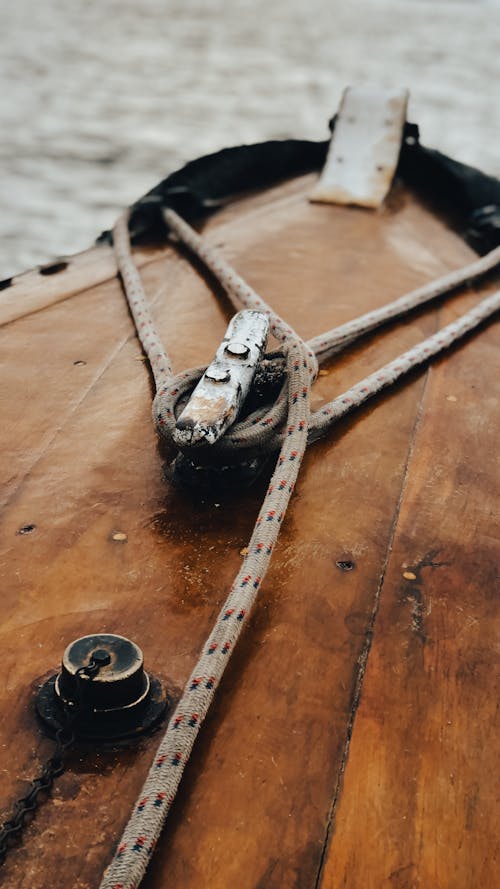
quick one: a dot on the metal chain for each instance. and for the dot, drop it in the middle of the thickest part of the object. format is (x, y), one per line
(12, 829)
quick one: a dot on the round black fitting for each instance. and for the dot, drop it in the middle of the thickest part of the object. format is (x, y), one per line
(102, 682)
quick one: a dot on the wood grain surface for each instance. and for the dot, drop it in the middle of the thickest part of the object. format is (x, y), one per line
(421, 778)
(275, 796)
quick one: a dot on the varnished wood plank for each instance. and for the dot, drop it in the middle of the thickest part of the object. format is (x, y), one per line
(51, 361)
(35, 290)
(417, 806)
(270, 754)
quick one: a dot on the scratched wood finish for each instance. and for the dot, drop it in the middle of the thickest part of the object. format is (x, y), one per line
(421, 780)
(83, 463)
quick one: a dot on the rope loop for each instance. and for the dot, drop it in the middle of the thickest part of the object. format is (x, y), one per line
(261, 431)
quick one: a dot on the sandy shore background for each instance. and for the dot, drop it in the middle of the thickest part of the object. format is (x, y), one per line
(100, 100)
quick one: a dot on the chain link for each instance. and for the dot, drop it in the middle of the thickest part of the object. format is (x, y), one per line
(12, 829)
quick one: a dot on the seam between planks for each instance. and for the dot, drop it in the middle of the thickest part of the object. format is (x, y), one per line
(71, 293)
(363, 658)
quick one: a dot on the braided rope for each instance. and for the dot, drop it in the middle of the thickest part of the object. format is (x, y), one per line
(287, 427)
(259, 430)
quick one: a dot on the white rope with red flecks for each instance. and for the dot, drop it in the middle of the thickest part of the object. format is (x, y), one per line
(286, 426)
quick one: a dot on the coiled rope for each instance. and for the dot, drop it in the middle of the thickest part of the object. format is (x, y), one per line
(286, 427)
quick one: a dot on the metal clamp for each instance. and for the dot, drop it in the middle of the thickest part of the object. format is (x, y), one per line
(218, 398)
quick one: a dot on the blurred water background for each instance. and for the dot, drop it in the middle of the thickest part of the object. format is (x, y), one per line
(100, 100)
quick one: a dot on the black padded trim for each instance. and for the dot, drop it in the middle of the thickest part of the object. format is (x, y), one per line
(470, 198)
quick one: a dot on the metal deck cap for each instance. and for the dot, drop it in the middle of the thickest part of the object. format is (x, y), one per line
(103, 682)
(121, 682)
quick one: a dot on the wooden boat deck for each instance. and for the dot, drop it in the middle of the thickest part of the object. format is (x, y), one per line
(351, 741)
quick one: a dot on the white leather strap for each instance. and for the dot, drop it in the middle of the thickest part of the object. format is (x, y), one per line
(365, 147)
